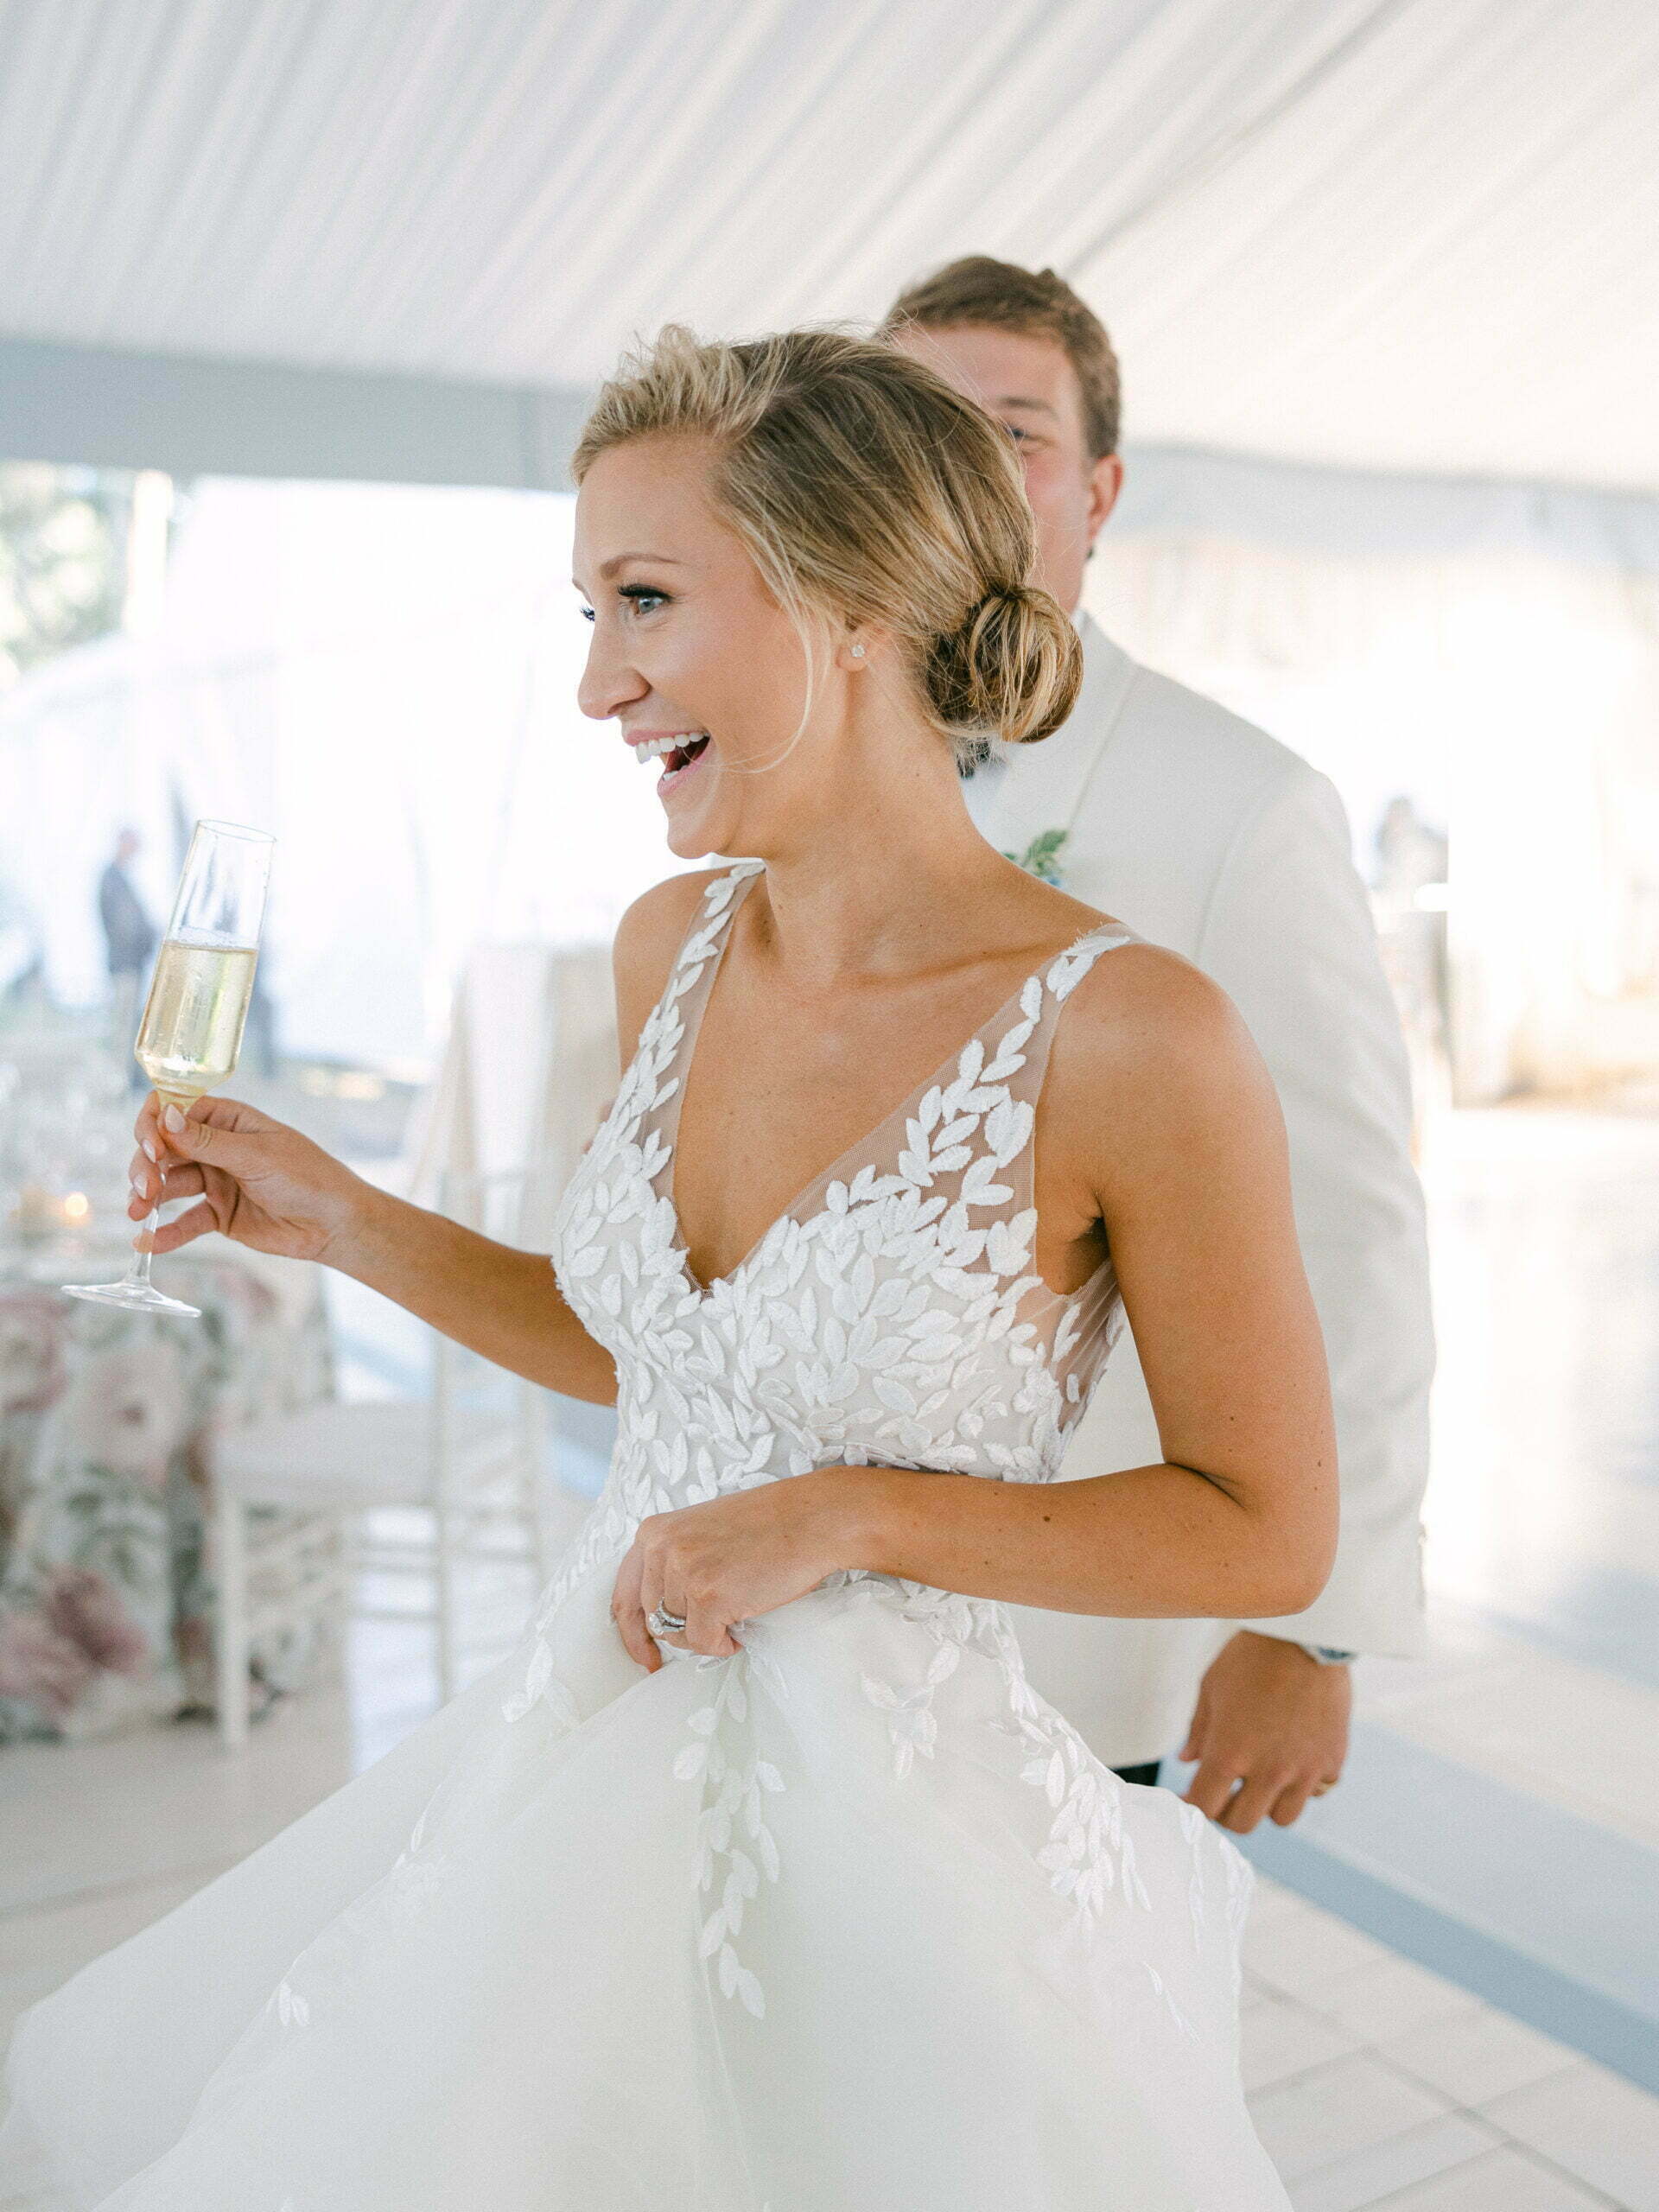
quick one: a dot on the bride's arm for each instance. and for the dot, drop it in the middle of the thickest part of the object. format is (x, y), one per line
(1160, 1118)
(266, 1186)
(1159, 1101)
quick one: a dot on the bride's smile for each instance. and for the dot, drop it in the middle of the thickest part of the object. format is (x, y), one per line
(678, 750)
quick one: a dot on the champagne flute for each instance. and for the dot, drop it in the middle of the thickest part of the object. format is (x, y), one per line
(191, 1033)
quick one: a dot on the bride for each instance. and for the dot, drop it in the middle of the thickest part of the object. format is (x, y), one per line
(757, 1878)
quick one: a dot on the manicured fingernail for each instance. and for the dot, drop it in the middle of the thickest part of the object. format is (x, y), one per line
(137, 1188)
(148, 1150)
(172, 1119)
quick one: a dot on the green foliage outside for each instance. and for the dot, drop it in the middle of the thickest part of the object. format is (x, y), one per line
(63, 541)
(1041, 857)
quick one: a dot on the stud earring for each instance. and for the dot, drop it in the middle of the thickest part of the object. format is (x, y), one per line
(858, 652)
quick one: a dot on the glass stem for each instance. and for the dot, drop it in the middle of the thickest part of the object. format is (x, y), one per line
(138, 1274)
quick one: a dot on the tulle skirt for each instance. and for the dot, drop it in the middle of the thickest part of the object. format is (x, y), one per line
(850, 1922)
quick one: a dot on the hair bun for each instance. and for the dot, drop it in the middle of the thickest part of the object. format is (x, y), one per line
(1012, 670)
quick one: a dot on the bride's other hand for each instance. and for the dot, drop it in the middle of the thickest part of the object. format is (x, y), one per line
(259, 1182)
(737, 1556)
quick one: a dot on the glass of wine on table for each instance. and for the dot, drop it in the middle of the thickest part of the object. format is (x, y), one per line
(191, 1033)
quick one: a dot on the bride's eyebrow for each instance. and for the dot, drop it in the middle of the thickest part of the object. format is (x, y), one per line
(618, 560)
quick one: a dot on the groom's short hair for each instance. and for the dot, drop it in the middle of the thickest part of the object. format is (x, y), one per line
(1037, 303)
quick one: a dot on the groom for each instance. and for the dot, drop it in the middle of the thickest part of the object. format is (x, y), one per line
(1205, 836)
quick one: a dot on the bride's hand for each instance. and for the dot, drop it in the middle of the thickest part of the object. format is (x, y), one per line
(737, 1556)
(260, 1182)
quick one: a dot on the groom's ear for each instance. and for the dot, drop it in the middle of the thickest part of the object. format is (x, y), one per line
(1105, 482)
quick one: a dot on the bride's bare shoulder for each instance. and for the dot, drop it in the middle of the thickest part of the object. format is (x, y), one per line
(1148, 1037)
(647, 938)
(1139, 998)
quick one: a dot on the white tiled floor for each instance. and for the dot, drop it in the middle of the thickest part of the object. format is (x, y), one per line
(1592, 2124)
(1499, 2181)
(1475, 2054)
(1325, 2117)
(1377, 2087)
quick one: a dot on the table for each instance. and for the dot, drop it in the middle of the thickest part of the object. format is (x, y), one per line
(106, 1595)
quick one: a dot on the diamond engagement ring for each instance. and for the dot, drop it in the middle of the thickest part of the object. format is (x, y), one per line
(661, 1622)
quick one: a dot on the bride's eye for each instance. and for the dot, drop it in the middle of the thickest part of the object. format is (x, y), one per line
(635, 593)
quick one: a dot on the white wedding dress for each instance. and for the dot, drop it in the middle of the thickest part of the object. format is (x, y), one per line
(850, 1921)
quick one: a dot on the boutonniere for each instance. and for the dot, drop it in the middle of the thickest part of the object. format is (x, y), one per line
(1041, 857)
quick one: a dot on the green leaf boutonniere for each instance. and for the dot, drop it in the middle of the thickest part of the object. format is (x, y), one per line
(1041, 857)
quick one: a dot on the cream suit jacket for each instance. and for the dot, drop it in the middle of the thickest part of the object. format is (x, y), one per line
(1206, 836)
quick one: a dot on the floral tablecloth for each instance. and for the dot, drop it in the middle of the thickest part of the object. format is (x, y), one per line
(106, 1599)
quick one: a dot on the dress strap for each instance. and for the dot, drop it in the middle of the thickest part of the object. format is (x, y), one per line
(670, 1034)
(1048, 990)
(1017, 1045)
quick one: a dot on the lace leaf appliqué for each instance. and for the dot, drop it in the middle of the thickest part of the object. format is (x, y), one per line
(735, 1848)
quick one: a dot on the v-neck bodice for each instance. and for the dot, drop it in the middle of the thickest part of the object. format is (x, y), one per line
(891, 1315)
(893, 1137)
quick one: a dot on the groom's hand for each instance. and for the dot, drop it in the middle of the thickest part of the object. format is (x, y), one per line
(1270, 1730)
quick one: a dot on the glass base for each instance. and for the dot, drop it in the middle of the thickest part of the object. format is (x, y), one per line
(142, 1297)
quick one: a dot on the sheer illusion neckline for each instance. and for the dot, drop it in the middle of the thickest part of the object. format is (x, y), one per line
(863, 1150)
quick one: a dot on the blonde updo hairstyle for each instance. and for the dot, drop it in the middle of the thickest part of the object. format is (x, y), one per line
(867, 492)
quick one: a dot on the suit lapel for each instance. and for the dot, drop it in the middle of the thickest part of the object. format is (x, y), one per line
(1041, 784)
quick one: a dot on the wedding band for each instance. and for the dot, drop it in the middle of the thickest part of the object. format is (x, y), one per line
(1320, 1787)
(661, 1622)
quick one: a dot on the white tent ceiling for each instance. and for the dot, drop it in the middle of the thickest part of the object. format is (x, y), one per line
(1406, 235)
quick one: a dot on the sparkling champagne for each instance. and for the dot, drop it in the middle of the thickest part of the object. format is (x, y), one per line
(191, 1033)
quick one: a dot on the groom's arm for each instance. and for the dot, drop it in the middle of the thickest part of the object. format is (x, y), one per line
(1289, 935)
